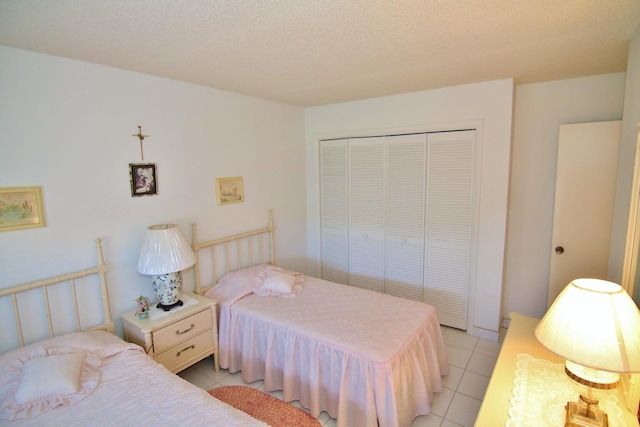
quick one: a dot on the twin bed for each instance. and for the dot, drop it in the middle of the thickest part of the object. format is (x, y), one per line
(365, 358)
(90, 376)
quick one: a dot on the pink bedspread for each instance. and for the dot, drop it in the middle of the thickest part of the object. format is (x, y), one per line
(361, 356)
(133, 390)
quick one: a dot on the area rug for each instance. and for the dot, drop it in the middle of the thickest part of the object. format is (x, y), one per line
(264, 407)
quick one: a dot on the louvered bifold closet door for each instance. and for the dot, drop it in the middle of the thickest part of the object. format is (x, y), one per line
(334, 207)
(404, 263)
(449, 224)
(367, 213)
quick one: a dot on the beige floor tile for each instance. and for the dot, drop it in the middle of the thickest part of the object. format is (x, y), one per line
(458, 356)
(473, 385)
(198, 379)
(460, 339)
(481, 364)
(452, 380)
(430, 420)
(463, 410)
(447, 423)
(331, 422)
(236, 379)
(206, 367)
(441, 402)
(324, 418)
(488, 348)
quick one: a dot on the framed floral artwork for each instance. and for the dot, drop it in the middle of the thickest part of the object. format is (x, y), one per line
(21, 208)
(229, 190)
(144, 179)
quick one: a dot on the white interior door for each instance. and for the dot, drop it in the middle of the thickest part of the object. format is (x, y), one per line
(583, 212)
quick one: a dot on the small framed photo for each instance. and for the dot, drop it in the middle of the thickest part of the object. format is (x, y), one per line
(229, 190)
(20, 208)
(144, 179)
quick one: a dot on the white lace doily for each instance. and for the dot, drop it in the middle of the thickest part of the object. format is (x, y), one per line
(541, 391)
(157, 313)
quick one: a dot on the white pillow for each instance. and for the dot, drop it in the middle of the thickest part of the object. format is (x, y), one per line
(276, 282)
(44, 377)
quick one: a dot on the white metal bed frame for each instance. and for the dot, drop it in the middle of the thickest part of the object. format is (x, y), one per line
(247, 252)
(43, 284)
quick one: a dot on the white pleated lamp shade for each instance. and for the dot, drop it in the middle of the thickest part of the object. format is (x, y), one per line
(164, 250)
(594, 323)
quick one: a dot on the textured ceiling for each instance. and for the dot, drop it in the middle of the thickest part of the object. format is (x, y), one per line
(314, 52)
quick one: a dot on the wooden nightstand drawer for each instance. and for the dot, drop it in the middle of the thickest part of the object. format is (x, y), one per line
(179, 338)
(185, 352)
(182, 331)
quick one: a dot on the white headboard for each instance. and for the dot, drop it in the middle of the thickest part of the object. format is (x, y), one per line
(27, 292)
(250, 247)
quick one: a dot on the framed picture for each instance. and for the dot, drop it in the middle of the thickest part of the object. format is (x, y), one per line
(20, 208)
(229, 190)
(144, 179)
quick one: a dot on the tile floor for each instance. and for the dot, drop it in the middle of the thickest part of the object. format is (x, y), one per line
(471, 362)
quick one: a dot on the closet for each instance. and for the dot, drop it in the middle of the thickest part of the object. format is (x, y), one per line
(397, 216)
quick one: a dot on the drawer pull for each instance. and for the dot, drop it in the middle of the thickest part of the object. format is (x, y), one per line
(186, 330)
(192, 346)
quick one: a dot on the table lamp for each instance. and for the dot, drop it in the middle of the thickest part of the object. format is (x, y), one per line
(595, 326)
(164, 254)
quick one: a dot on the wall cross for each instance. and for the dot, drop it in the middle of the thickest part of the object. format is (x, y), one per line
(141, 137)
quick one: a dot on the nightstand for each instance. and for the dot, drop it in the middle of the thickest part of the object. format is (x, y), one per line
(497, 399)
(178, 338)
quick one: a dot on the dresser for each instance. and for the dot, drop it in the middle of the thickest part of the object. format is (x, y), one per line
(178, 338)
(521, 339)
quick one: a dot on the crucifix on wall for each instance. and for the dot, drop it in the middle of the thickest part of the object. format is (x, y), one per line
(141, 137)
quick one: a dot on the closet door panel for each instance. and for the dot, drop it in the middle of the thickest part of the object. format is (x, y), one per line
(366, 213)
(405, 186)
(404, 269)
(449, 177)
(334, 216)
(366, 184)
(449, 224)
(446, 284)
(405, 215)
(366, 267)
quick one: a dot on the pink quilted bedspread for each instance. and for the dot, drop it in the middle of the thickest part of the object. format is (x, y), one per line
(133, 390)
(361, 356)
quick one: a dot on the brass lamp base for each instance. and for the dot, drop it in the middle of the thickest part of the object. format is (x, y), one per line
(585, 413)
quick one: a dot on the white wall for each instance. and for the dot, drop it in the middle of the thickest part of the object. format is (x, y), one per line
(539, 111)
(487, 105)
(67, 126)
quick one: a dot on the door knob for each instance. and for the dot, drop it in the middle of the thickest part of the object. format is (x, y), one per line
(559, 250)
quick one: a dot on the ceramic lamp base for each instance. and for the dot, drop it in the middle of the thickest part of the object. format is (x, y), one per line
(168, 288)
